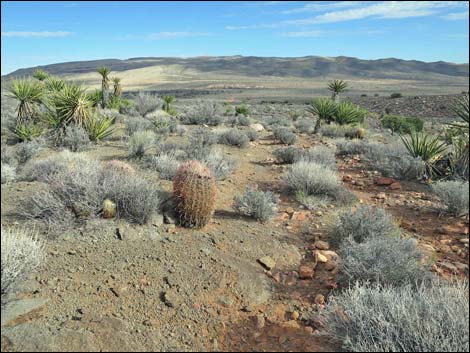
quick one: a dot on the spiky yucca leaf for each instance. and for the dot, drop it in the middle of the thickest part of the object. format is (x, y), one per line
(28, 94)
(95, 97)
(461, 108)
(104, 72)
(337, 86)
(167, 101)
(348, 113)
(40, 75)
(99, 127)
(429, 149)
(54, 84)
(27, 131)
(324, 109)
(72, 105)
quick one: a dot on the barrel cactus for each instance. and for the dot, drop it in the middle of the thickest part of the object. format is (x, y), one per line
(194, 192)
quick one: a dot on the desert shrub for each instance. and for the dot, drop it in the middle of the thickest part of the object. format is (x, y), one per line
(383, 259)
(219, 164)
(321, 155)
(312, 179)
(348, 113)
(180, 130)
(289, 154)
(454, 195)
(166, 165)
(243, 120)
(28, 149)
(396, 95)
(242, 110)
(252, 134)
(22, 253)
(77, 190)
(272, 122)
(27, 131)
(351, 147)
(393, 160)
(374, 318)
(164, 125)
(146, 103)
(311, 202)
(203, 137)
(304, 126)
(362, 224)
(8, 155)
(259, 205)
(75, 138)
(233, 137)
(140, 142)
(135, 197)
(8, 173)
(136, 124)
(337, 131)
(285, 135)
(203, 112)
(119, 166)
(402, 124)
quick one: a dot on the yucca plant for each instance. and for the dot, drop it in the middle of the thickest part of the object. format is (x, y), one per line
(27, 131)
(337, 87)
(459, 158)
(324, 109)
(461, 108)
(429, 149)
(72, 105)
(28, 94)
(99, 127)
(348, 113)
(117, 86)
(40, 75)
(96, 97)
(167, 101)
(104, 72)
(54, 84)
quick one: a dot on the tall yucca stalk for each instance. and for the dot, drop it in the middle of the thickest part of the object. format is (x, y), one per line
(72, 105)
(28, 94)
(337, 87)
(324, 109)
(40, 75)
(117, 86)
(429, 149)
(104, 72)
(168, 100)
(460, 156)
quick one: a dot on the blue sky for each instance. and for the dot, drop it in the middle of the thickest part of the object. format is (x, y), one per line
(42, 32)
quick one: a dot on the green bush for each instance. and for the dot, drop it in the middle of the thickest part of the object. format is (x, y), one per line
(396, 95)
(401, 124)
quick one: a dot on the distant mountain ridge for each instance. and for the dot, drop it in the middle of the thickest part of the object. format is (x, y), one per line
(308, 66)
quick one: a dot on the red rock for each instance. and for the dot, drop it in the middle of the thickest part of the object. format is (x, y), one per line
(283, 216)
(300, 215)
(347, 178)
(306, 272)
(385, 181)
(322, 245)
(395, 186)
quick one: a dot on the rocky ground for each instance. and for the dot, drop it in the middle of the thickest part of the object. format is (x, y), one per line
(235, 285)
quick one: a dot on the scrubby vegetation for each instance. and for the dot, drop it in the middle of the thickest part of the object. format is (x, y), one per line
(454, 195)
(259, 205)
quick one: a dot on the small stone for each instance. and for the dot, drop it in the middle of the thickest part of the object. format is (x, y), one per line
(258, 320)
(295, 315)
(306, 272)
(300, 215)
(385, 181)
(322, 245)
(395, 186)
(464, 240)
(257, 127)
(319, 299)
(320, 257)
(290, 210)
(381, 196)
(268, 262)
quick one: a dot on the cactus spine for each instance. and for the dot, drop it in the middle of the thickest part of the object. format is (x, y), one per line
(194, 192)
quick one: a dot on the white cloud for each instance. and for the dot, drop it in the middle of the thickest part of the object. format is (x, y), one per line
(167, 35)
(456, 16)
(388, 9)
(320, 33)
(304, 34)
(367, 9)
(323, 6)
(43, 34)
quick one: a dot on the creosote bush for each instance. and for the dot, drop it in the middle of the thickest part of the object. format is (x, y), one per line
(289, 154)
(8, 173)
(22, 253)
(75, 139)
(259, 205)
(454, 195)
(426, 318)
(322, 155)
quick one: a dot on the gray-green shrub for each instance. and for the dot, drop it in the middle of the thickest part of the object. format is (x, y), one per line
(428, 318)
(454, 195)
(257, 204)
(8, 173)
(234, 137)
(285, 135)
(76, 138)
(141, 142)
